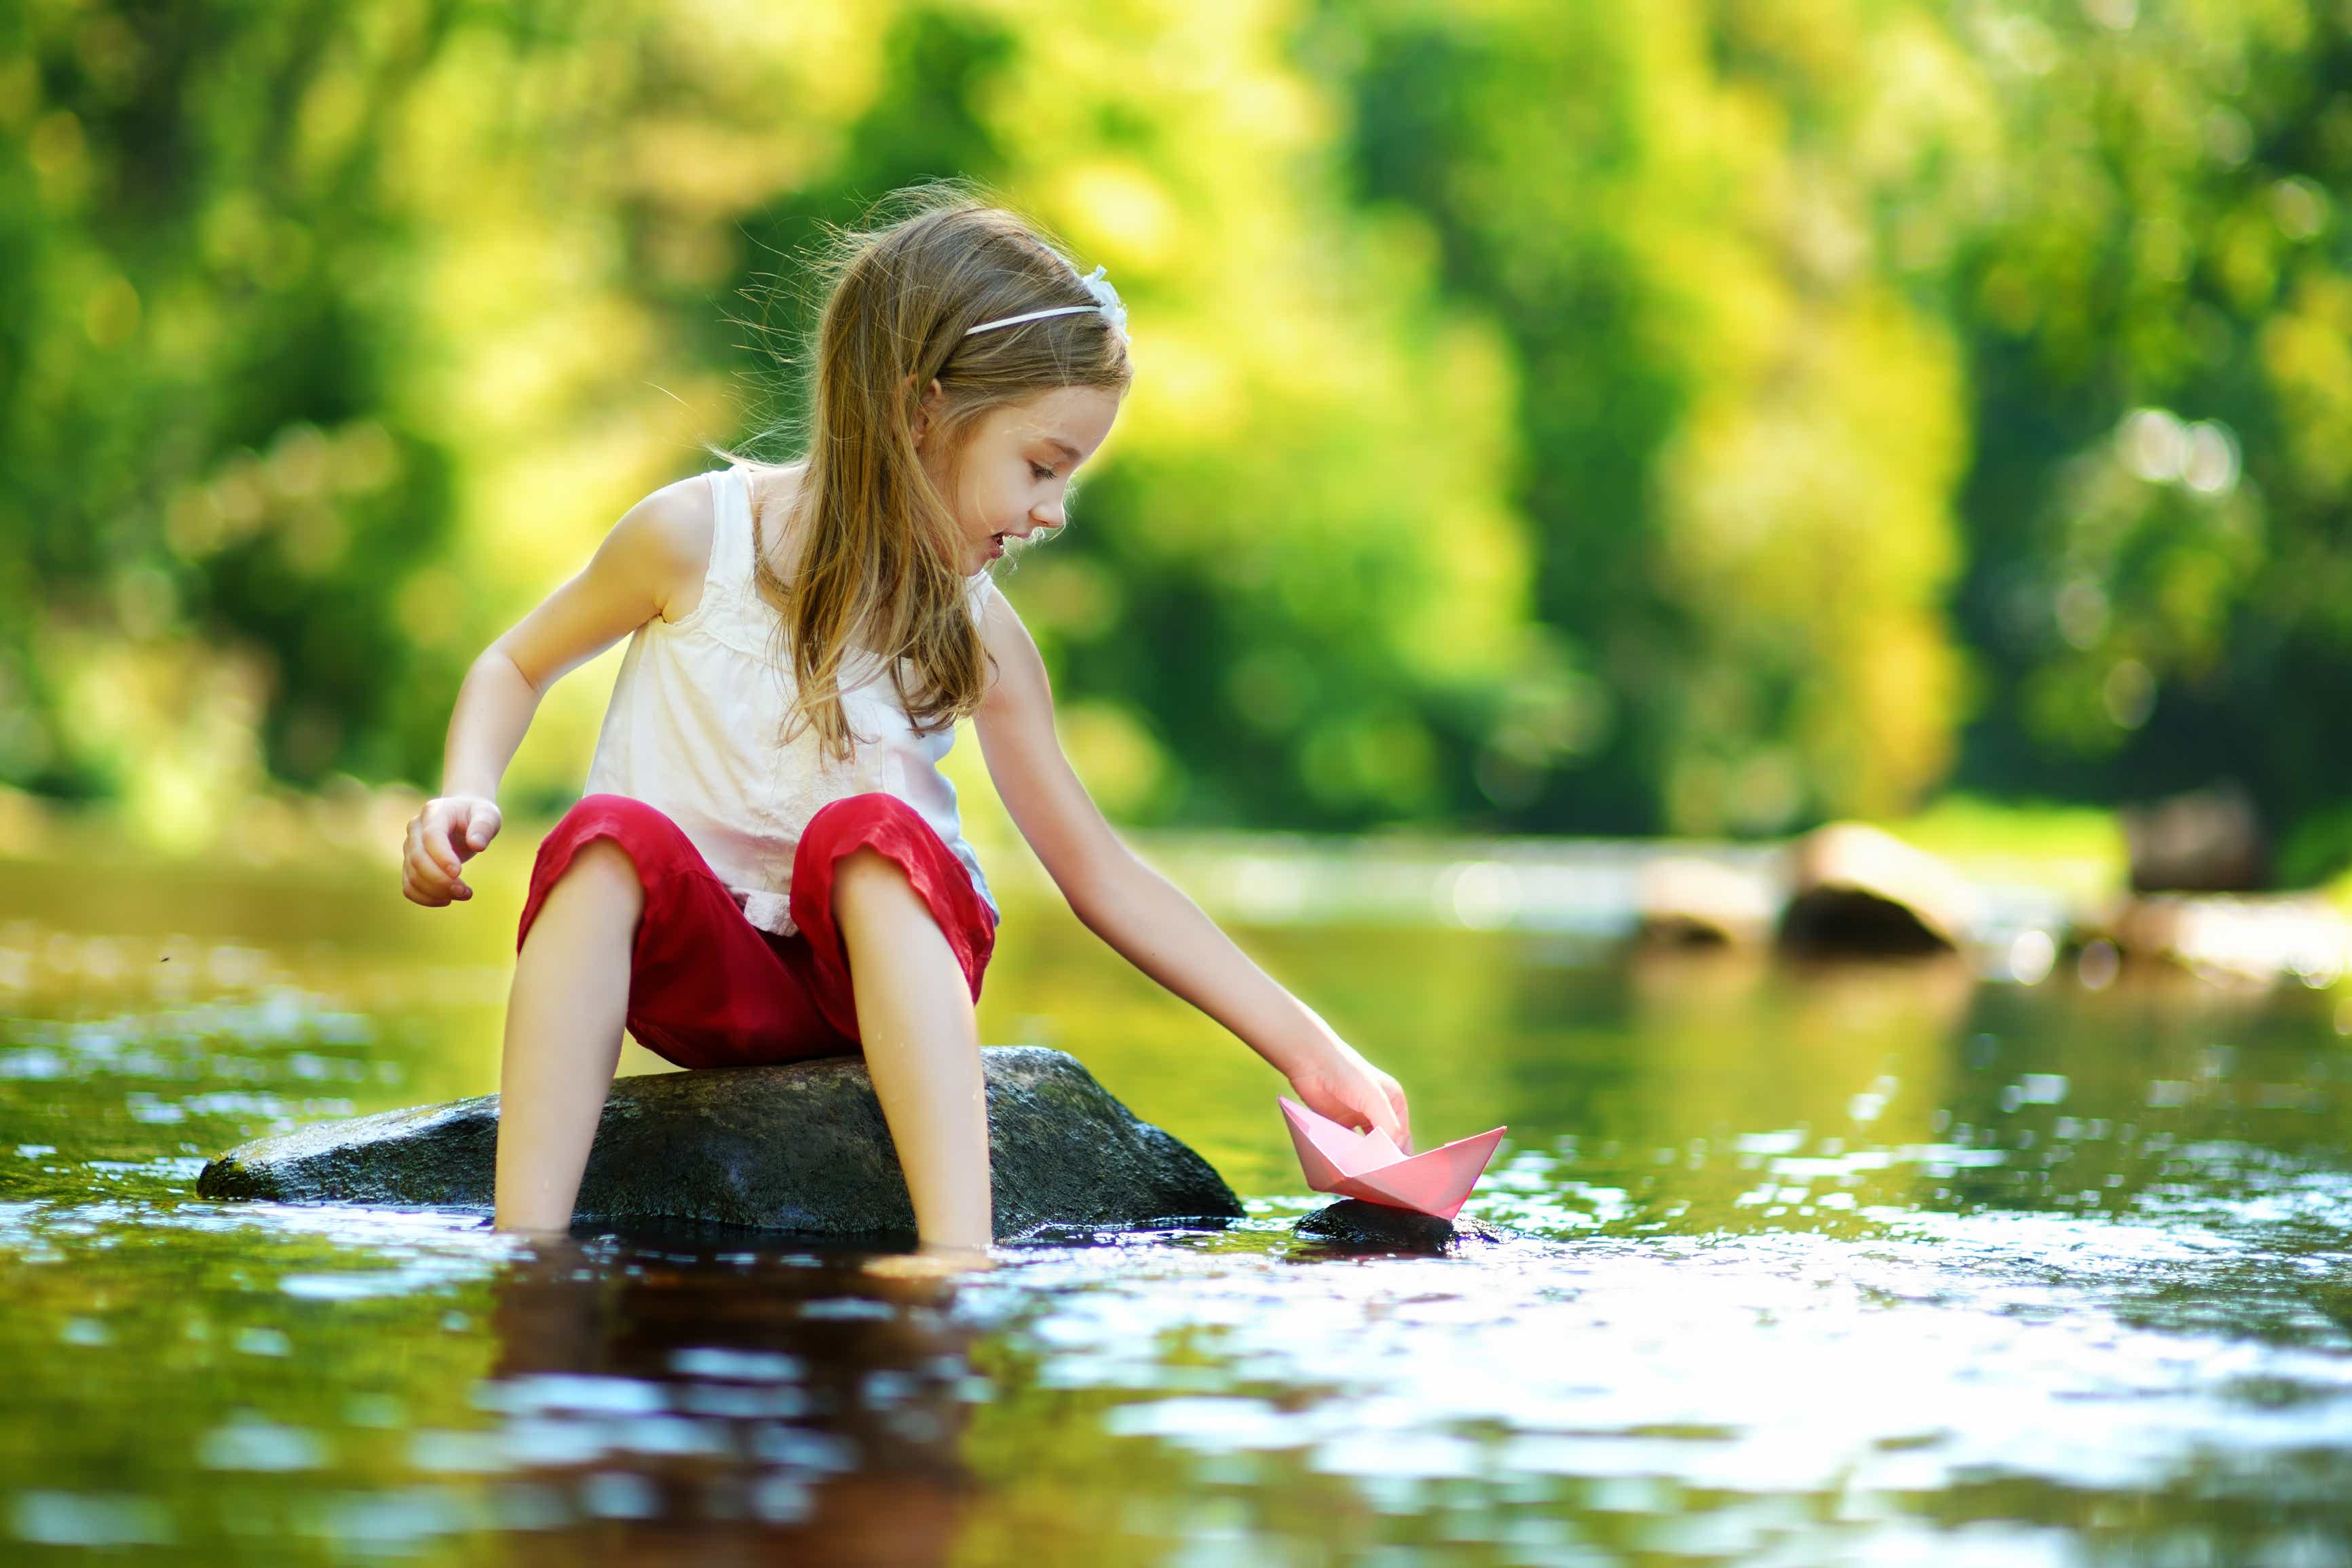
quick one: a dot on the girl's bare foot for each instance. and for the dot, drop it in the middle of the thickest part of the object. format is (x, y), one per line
(930, 1264)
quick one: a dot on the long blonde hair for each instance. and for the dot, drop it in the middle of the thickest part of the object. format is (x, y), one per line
(877, 558)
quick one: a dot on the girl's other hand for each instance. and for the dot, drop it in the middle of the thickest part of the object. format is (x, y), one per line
(1341, 1084)
(448, 832)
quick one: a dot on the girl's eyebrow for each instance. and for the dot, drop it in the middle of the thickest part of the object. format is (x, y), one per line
(1064, 449)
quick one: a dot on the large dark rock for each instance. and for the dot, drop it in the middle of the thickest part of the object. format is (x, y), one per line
(1855, 890)
(800, 1148)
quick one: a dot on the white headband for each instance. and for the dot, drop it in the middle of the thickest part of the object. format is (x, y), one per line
(1106, 300)
(1032, 316)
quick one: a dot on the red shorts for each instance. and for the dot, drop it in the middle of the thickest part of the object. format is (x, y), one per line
(708, 988)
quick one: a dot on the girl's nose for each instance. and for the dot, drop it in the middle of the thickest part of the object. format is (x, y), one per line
(1049, 514)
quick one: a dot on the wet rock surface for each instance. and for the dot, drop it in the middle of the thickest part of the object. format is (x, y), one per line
(1351, 1222)
(800, 1149)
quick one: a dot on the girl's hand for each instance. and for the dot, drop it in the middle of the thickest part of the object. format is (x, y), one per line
(1341, 1084)
(450, 830)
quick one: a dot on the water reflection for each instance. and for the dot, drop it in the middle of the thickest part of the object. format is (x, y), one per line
(678, 1396)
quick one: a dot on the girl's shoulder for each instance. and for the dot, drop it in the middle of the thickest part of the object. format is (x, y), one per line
(668, 536)
(683, 524)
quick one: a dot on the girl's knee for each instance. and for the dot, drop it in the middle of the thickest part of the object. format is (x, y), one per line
(608, 849)
(604, 861)
(601, 871)
(597, 889)
(608, 838)
(866, 873)
(878, 896)
(633, 823)
(853, 820)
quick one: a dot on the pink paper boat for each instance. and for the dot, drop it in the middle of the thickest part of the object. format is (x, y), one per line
(1369, 1165)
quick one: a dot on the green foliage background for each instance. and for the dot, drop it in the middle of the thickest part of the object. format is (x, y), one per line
(1626, 416)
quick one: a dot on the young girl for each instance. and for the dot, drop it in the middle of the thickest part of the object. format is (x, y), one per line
(768, 865)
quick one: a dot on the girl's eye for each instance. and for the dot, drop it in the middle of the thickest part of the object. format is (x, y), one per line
(1040, 471)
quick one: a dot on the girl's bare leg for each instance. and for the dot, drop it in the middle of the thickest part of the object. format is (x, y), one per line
(563, 1035)
(922, 1049)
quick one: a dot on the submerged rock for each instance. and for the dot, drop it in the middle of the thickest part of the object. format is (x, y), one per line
(1352, 1222)
(800, 1148)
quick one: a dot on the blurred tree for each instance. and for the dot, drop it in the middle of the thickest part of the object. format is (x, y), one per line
(1745, 428)
(2156, 311)
(202, 491)
(1799, 285)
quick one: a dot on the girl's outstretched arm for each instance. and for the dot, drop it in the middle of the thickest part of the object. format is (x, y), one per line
(1141, 914)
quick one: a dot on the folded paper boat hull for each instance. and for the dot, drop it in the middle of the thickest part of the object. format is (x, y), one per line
(1340, 1160)
(1437, 1182)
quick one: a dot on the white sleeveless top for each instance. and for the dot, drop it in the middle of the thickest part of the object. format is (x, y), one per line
(698, 712)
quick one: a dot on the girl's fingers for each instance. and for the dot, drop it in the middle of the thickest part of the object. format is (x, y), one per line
(1368, 1113)
(482, 824)
(422, 860)
(436, 846)
(1403, 1117)
(1376, 1102)
(432, 873)
(421, 877)
(421, 865)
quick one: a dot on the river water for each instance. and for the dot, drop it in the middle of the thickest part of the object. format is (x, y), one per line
(1873, 1264)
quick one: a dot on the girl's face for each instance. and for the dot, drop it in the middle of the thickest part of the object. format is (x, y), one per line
(1012, 475)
